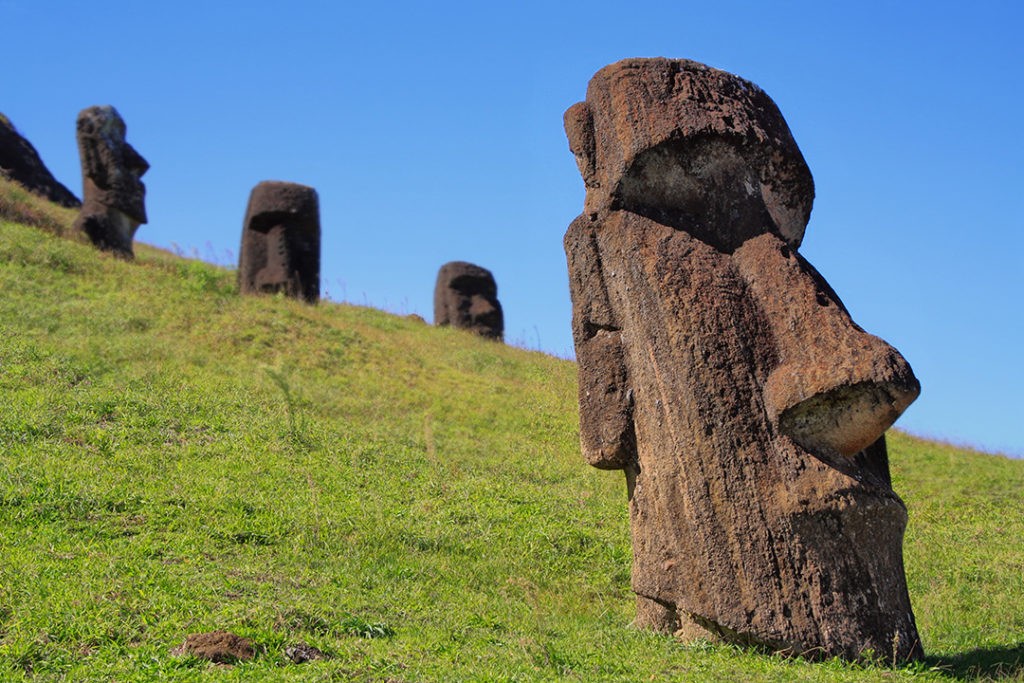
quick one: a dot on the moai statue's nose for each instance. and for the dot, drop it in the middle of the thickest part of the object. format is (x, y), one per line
(481, 310)
(835, 388)
(274, 276)
(135, 161)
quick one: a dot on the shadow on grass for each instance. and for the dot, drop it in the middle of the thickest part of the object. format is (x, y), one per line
(990, 663)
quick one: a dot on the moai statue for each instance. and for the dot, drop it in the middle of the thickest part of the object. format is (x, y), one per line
(281, 242)
(723, 374)
(113, 196)
(466, 297)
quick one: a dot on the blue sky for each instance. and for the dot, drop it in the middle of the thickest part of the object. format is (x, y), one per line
(433, 132)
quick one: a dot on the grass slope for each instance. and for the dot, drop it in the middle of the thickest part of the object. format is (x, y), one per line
(410, 500)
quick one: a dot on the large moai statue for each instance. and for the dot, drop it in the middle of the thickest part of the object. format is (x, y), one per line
(723, 374)
(281, 242)
(113, 196)
(466, 297)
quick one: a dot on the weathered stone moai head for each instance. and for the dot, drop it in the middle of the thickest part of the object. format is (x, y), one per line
(113, 196)
(281, 242)
(466, 297)
(723, 374)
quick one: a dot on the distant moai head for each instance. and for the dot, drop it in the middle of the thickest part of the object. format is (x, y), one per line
(466, 297)
(113, 195)
(723, 374)
(281, 242)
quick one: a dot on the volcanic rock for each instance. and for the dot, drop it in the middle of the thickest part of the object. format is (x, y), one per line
(466, 297)
(114, 198)
(725, 377)
(280, 249)
(20, 162)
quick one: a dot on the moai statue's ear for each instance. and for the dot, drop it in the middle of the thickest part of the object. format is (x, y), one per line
(579, 128)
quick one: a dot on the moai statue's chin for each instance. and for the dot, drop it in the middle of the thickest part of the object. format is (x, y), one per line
(113, 196)
(281, 242)
(466, 297)
(723, 374)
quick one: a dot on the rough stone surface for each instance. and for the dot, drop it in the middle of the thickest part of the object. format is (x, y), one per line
(113, 196)
(221, 647)
(281, 242)
(724, 376)
(20, 162)
(466, 297)
(300, 653)
(691, 147)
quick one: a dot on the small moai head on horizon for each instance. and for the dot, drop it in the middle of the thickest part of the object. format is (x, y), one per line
(280, 249)
(113, 195)
(722, 373)
(466, 297)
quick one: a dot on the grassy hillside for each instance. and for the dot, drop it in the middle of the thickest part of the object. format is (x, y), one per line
(410, 500)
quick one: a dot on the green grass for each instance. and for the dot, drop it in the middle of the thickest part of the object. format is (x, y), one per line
(177, 459)
(21, 206)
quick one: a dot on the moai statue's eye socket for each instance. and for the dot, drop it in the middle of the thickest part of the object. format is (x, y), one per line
(702, 186)
(265, 222)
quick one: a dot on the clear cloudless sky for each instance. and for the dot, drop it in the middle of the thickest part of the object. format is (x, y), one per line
(433, 132)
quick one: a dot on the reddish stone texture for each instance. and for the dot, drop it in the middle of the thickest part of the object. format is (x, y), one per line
(114, 198)
(466, 297)
(725, 377)
(281, 242)
(221, 647)
(20, 162)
